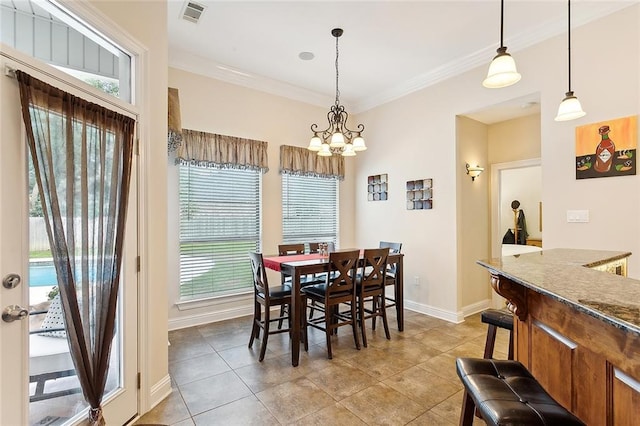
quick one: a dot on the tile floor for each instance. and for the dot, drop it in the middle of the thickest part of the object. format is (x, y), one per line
(410, 379)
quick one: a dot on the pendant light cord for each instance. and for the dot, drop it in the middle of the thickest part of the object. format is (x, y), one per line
(501, 22)
(569, 38)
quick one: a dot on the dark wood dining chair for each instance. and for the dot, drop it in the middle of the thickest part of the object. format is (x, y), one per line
(289, 249)
(265, 296)
(314, 247)
(339, 287)
(370, 287)
(390, 279)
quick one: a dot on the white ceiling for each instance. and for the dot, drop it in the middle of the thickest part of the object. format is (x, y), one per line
(389, 48)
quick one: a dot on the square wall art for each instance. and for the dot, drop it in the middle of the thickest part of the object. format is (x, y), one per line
(420, 194)
(377, 188)
(607, 148)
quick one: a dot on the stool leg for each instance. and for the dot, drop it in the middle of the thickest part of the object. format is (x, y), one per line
(468, 407)
(491, 341)
(510, 345)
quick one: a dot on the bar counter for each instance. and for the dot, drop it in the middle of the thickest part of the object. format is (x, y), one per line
(576, 328)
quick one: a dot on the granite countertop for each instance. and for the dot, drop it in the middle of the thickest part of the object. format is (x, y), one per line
(564, 275)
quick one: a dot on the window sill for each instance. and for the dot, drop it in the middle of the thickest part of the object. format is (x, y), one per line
(186, 305)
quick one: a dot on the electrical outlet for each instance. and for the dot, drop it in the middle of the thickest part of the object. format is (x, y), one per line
(578, 216)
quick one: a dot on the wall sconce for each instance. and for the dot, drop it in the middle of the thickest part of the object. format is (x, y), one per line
(474, 172)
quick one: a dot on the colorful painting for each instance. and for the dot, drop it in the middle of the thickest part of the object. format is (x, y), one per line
(377, 188)
(420, 194)
(607, 148)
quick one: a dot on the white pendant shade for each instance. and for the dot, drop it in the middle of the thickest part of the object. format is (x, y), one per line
(337, 140)
(502, 71)
(358, 144)
(570, 108)
(325, 150)
(315, 144)
(348, 151)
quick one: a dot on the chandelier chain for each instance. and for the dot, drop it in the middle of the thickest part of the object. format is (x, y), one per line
(337, 74)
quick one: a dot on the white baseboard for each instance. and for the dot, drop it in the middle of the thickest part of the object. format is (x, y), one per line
(159, 391)
(455, 317)
(474, 308)
(208, 317)
(433, 311)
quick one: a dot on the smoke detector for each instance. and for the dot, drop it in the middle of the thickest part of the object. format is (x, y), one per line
(193, 11)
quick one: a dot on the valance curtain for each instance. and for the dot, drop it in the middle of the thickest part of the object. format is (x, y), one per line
(174, 138)
(300, 161)
(82, 156)
(211, 150)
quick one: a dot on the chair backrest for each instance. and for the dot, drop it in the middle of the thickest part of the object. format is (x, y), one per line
(393, 248)
(287, 249)
(260, 282)
(342, 273)
(374, 269)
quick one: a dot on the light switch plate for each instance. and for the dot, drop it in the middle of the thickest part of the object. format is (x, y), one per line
(578, 216)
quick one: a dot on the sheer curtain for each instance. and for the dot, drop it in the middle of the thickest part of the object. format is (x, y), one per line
(82, 156)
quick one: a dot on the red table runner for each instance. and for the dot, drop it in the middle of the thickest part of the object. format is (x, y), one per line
(274, 262)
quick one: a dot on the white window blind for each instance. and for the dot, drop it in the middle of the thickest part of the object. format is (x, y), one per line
(309, 209)
(219, 225)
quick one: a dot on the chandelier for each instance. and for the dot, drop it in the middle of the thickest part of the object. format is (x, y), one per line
(337, 138)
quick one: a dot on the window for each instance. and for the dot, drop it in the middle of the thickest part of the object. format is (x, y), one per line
(219, 225)
(50, 33)
(309, 209)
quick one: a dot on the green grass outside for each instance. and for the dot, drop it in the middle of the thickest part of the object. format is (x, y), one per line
(228, 275)
(39, 254)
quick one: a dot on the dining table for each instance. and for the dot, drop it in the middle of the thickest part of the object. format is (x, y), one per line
(300, 265)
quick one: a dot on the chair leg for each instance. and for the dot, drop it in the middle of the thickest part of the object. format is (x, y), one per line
(303, 326)
(374, 319)
(283, 311)
(263, 347)
(385, 323)
(255, 329)
(468, 407)
(361, 321)
(491, 341)
(328, 330)
(354, 324)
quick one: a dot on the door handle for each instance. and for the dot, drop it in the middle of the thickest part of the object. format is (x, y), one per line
(14, 312)
(11, 281)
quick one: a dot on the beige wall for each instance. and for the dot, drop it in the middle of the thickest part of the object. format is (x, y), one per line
(474, 291)
(146, 23)
(513, 140)
(213, 106)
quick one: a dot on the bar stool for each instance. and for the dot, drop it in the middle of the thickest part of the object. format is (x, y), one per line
(501, 318)
(505, 392)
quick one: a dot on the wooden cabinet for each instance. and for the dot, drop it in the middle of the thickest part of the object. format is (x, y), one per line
(589, 366)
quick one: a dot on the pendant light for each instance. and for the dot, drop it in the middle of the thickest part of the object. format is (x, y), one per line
(502, 70)
(570, 107)
(337, 138)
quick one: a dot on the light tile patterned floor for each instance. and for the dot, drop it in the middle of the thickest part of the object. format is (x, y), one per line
(410, 379)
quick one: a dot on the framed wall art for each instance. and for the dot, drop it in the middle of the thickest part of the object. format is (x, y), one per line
(377, 188)
(420, 194)
(607, 148)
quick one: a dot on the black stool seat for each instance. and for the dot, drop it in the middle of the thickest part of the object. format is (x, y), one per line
(498, 317)
(505, 393)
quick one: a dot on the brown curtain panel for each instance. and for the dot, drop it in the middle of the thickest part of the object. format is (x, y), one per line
(300, 161)
(212, 150)
(82, 156)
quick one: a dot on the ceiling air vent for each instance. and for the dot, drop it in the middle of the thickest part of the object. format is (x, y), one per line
(193, 11)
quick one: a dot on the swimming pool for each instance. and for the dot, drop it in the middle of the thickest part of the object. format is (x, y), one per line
(42, 274)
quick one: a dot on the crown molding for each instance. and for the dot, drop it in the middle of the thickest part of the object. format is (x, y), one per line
(190, 62)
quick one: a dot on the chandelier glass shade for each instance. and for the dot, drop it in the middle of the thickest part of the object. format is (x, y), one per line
(337, 138)
(502, 70)
(570, 107)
